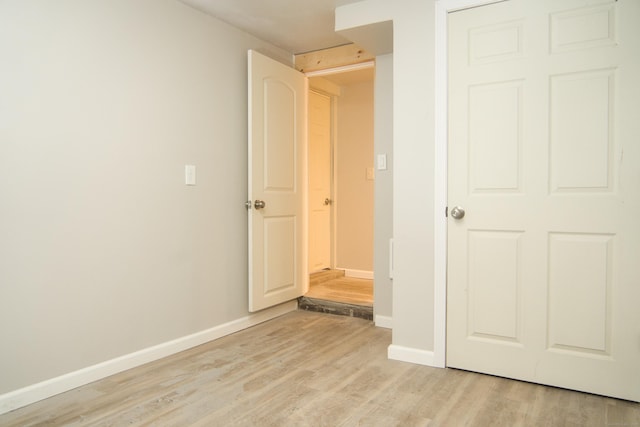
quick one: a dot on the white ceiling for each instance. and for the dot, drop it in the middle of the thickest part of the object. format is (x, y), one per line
(297, 26)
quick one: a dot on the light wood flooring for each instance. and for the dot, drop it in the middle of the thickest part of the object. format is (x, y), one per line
(313, 369)
(332, 285)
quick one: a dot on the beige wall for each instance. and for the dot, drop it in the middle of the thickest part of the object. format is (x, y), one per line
(103, 249)
(415, 208)
(383, 210)
(354, 191)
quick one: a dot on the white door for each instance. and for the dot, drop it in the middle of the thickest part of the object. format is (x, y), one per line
(319, 117)
(544, 157)
(277, 182)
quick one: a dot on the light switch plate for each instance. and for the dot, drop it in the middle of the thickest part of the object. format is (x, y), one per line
(382, 162)
(190, 174)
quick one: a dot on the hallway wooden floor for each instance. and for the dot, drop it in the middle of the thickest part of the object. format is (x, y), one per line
(332, 285)
(313, 369)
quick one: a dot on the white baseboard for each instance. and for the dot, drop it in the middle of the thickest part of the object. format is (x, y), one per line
(42, 390)
(384, 321)
(411, 355)
(357, 274)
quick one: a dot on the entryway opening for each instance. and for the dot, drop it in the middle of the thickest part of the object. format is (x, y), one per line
(341, 190)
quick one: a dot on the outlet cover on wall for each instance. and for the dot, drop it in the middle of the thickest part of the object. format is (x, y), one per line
(370, 174)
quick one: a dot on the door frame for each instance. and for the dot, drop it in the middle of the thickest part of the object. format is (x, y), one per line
(442, 10)
(334, 142)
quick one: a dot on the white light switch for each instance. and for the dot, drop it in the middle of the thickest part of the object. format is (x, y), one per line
(382, 162)
(190, 174)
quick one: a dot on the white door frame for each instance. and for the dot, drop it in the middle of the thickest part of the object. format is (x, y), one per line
(334, 143)
(443, 7)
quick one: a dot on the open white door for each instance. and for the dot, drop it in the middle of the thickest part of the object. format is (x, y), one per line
(277, 183)
(320, 170)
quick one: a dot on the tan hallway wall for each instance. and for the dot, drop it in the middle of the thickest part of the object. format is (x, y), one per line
(354, 188)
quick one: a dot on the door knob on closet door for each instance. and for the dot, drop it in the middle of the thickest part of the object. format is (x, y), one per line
(327, 201)
(259, 204)
(457, 212)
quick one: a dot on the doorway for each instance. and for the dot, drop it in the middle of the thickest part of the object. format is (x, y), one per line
(341, 181)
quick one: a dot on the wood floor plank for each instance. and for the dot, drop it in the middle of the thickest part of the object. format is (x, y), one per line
(314, 369)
